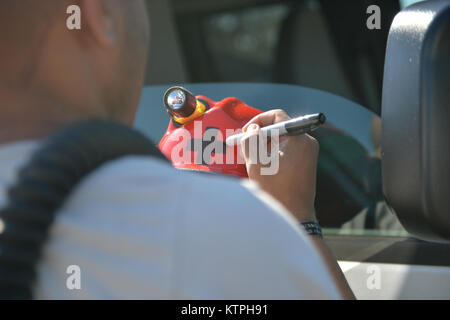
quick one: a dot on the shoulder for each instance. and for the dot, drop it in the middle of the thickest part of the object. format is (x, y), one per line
(205, 200)
(236, 246)
(146, 230)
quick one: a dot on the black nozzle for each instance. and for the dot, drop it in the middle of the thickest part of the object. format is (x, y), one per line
(180, 102)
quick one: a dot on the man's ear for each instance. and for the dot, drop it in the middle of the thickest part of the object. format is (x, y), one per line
(100, 18)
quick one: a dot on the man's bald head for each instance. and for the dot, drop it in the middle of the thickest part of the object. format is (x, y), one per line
(23, 25)
(93, 72)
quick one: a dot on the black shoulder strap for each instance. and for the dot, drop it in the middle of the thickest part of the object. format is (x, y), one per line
(42, 187)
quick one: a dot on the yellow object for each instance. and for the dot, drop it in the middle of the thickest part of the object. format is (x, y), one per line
(200, 110)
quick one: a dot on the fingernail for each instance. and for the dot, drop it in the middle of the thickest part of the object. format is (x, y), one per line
(253, 127)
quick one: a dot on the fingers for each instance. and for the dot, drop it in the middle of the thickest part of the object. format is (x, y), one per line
(250, 138)
(313, 142)
(306, 143)
(289, 148)
(268, 118)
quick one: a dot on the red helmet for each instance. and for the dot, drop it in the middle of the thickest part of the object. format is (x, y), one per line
(195, 138)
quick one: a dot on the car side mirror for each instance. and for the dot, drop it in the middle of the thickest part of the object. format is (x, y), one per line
(416, 120)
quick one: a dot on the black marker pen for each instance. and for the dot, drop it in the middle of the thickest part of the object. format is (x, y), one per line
(293, 127)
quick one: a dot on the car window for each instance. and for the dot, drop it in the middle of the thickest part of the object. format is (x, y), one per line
(247, 40)
(349, 194)
(320, 44)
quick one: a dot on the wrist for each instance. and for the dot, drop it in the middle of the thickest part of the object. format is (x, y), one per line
(305, 214)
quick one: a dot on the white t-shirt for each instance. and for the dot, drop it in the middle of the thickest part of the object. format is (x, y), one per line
(139, 229)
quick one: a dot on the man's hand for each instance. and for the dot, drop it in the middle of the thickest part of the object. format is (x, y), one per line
(294, 185)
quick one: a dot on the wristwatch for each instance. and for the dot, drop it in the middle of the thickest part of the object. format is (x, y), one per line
(312, 228)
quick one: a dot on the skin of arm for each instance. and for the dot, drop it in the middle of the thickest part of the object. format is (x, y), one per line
(294, 184)
(334, 269)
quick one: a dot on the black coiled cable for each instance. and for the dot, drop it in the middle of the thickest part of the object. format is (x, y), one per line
(42, 187)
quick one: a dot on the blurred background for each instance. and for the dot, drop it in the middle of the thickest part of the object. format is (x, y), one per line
(322, 44)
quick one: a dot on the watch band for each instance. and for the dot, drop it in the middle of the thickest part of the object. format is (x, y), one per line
(312, 228)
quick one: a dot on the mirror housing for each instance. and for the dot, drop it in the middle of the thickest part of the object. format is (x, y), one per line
(416, 120)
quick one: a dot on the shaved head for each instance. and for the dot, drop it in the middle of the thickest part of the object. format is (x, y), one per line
(26, 15)
(23, 26)
(70, 75)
